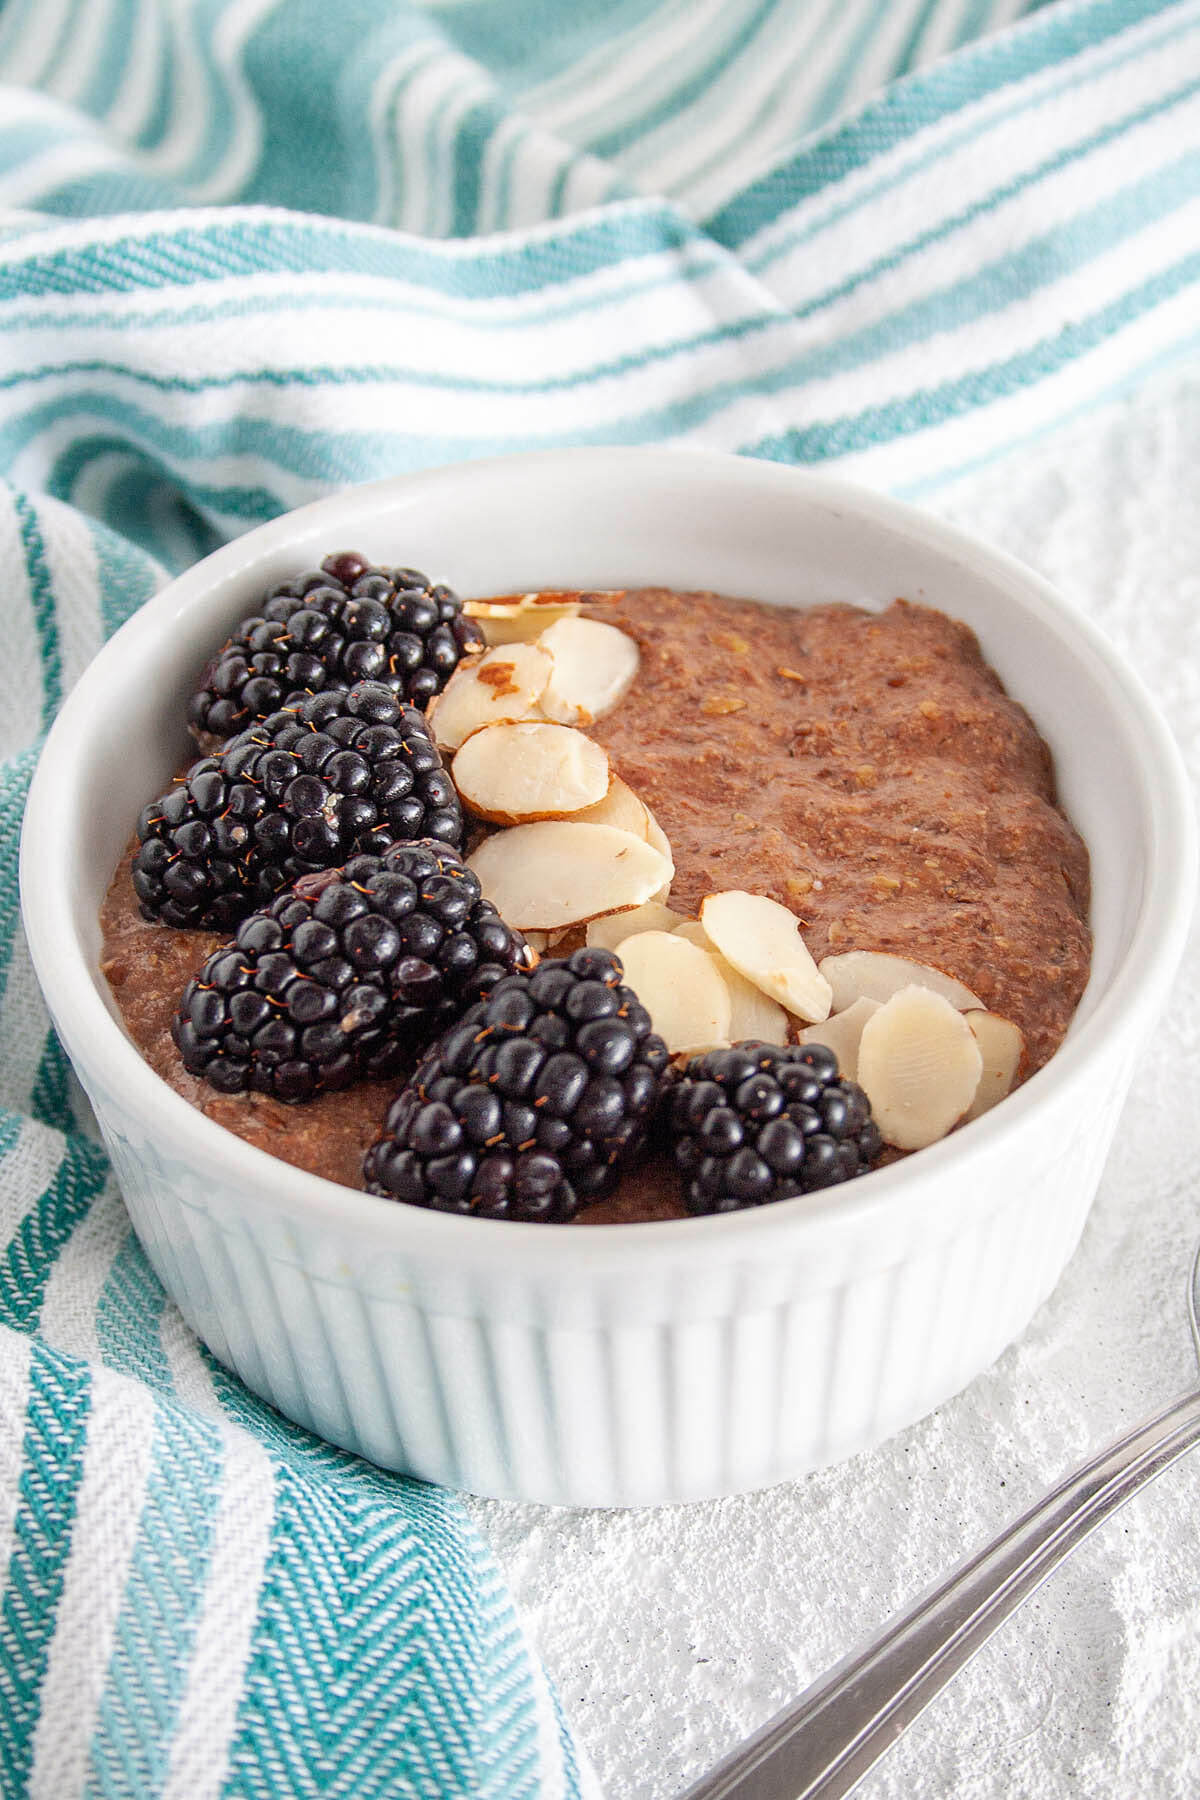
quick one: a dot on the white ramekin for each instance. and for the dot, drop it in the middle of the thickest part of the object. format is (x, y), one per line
(634, 1364)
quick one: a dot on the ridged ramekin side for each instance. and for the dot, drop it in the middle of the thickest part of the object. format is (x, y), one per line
(633, 1395)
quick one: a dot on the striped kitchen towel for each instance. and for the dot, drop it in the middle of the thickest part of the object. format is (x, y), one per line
(251, 250)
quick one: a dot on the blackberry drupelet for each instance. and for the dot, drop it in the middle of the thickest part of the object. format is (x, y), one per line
(759, 1122)
(529, 1107)
(349, 973)
(320, 781)
(346, 622)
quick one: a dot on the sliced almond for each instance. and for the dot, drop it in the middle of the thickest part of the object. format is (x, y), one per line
(558, 873)
(919, 1065)
(1003, 1045)
(498, 606)
(656, 837)
(613, 928)
(512, 774)
(877, 975)
(762, 940)
(754, 1015)
(524, 627)
(841, 1033)
(594, 668)
(520, 619)
(622, 808)
(681, 988)
(497, 688)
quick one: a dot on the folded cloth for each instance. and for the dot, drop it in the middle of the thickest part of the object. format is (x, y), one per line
(255, 249)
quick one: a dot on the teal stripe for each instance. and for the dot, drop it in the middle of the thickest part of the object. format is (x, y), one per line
(928, 407)
(909, 57)
(1016, 276)
(558, 188)
(148, 523)
(251, 246)
(320, 456)
(15, 777)
(150, 512)
(502, 204)
(371, 1675)
(833, 94)
(10, 1131)
(1118, 216)
(286, 1441)
(511, 1757)
(112, 62)
(14, 20)
(976, 19)
(41, 593)
(438, 184)
(106, 191)
(687, 93)
(155, 486)
(946, 88)
(206, 18)
(474, 133)
(51, 1100)
(51, 1472)
(159, 114)
(315, 155)
(960, 145)
(371, 375)
(341, 1697)
(527, 43)
(126, 578)
(20, 19)
(27, 1260)
(365, 159)
(781, 94)
(67, 33)
(690, 260)
(1156, 364)
(148, 529)
(129, 1319)
(163, 1598)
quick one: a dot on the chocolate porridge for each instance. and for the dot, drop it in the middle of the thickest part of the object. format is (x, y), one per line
(866, 770)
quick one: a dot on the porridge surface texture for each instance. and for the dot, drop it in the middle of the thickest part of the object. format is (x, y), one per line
(865, 769)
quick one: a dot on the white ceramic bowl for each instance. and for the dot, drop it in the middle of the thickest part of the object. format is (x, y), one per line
(638, 1363)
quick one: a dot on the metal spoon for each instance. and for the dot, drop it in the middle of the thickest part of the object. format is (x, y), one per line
(821, 1745)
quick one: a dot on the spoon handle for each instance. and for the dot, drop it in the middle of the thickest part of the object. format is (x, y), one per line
(822, 1745)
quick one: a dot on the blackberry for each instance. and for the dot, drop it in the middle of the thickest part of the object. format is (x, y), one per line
(349, 973)
(346, 622)
(528, 1107)
(759, 1122)
(308, 788)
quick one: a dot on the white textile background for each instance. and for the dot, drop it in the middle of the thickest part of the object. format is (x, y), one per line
(673, 1633)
